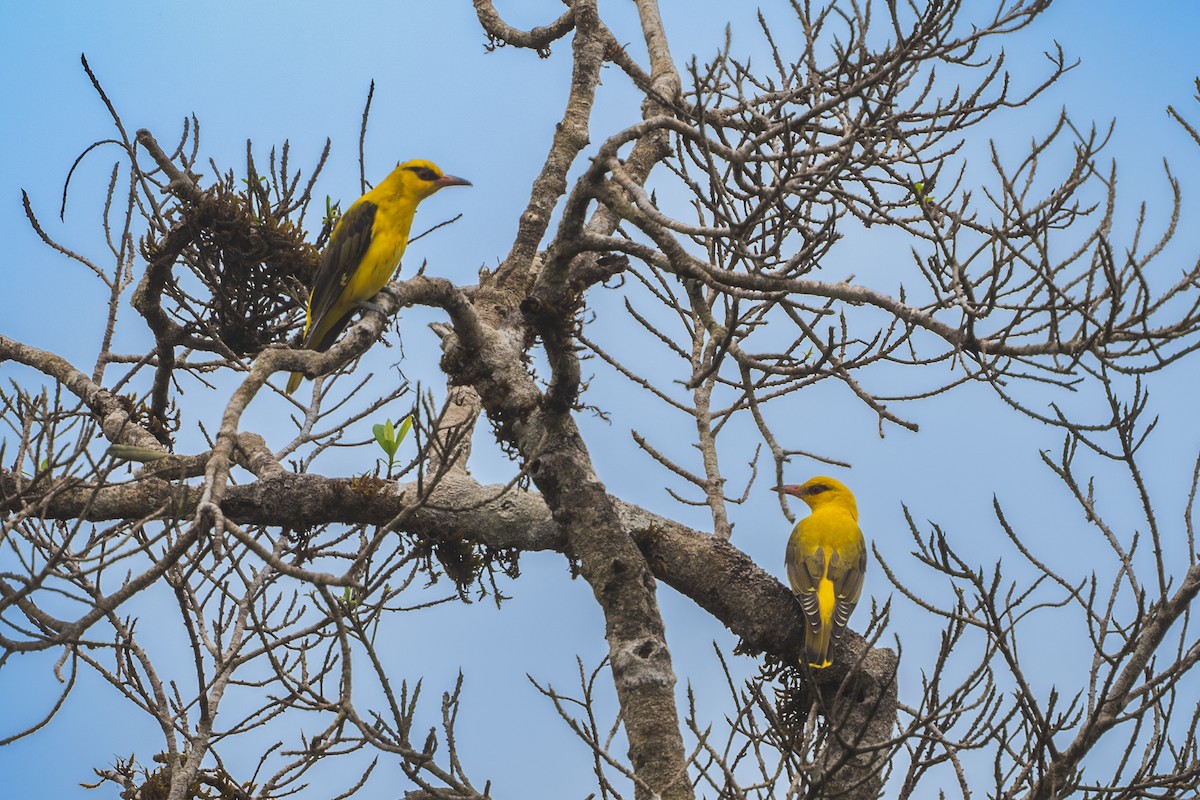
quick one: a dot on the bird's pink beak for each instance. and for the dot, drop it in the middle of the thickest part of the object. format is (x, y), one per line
(451, 180)
(792, 489)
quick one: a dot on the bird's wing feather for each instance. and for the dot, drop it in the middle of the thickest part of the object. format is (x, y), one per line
(804, 573)
(847, 577)
(347, 247)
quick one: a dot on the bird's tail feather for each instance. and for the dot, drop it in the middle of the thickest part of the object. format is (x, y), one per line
(816, 647)
(294, 381)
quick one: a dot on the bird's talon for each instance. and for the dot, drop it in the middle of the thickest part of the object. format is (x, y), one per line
(367, 305)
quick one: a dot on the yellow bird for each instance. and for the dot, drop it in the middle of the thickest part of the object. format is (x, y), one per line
(826, 560)
(364, 251)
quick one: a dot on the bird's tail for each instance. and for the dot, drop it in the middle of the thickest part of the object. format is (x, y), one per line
(816, 646)
(294, 381)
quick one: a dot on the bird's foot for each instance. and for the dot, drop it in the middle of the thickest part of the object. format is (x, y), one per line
(367, 305)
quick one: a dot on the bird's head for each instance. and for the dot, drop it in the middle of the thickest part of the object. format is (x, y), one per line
(423, 178)
(821, 491)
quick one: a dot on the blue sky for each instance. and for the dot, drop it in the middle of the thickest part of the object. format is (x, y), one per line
(299, 71)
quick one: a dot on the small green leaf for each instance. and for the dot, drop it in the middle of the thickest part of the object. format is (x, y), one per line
(333, 212)
(919, 191)
(389, 439)
(385, 434)
(405, 427)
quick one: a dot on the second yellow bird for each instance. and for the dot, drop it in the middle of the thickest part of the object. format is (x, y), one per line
(364, 251)
(826, 561)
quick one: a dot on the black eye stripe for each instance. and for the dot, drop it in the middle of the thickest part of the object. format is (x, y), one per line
(424, 173)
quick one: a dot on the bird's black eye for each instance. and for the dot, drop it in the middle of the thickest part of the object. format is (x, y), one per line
(820, 487)
(425, 173)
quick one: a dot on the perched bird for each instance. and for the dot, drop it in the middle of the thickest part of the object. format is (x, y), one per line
(826, 560)
(364, 251)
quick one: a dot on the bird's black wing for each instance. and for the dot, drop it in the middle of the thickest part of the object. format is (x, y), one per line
(805, 574)
(847, 577)
(347, 246)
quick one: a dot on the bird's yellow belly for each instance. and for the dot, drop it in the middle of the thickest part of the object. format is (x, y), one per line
(378, 266)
